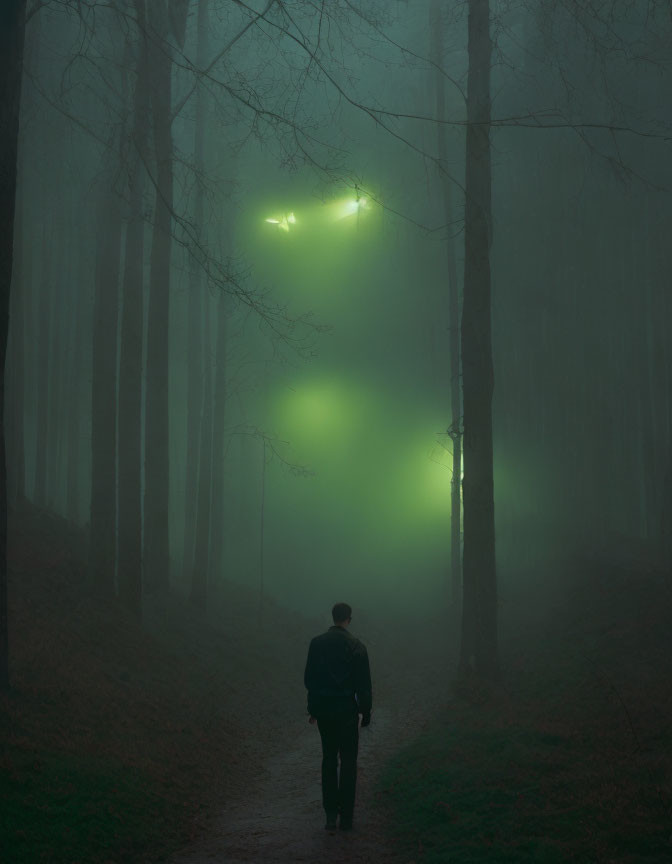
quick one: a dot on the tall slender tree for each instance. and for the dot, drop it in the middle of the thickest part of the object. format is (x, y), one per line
(58, 280)
(157, 463)
(130, 360)
(454, 431)
(12, 29)
(42, 297)
(194, 311)
(479, 652)
(158, 316)
(104, 391)
(199, 325)
(76, 330)
(219, 445)
(22, 270)
(199, 580)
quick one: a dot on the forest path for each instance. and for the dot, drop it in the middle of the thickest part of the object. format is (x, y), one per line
(279, 816)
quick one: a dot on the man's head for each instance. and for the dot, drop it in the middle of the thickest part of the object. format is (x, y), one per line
(341, 613)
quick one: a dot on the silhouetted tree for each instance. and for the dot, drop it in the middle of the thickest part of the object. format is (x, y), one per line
(195, 314)
(12, 28)
(77, 338)
(16, 367)
(164, 19)
(479, 619)
(455, 429)
(130, 361)
(199, 325)
(199, 580)
(57, 283)
(219, 443)
(42, 298)
(104, 391)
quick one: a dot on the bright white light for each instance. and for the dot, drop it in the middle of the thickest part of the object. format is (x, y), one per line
(284, 223)
(352, 206)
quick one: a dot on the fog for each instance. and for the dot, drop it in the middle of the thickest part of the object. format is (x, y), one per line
(280, 271)
(335, 324)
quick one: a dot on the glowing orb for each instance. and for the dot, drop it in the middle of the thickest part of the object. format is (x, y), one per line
(284, 222)
(349, 207)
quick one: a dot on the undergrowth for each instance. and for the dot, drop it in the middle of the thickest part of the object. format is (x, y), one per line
(58, 808)
(568, 759)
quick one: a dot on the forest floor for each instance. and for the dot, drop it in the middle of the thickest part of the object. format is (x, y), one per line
(121, 743)
(187, 741)
(569, 758)
(116, 738)
(279, 816)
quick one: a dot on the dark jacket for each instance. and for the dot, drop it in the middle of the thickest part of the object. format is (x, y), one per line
(337, 674)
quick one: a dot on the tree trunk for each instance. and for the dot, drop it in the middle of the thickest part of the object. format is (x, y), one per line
(58, 279)
(194, 412)
(479, 616)
(42, 299)
(195, 323)
(454, 432)
(262, 527)
(12, 24)
(218, 447)
(15, 373)
(157, 463)
(74, 395)
(130, 361)
(104, 395)
(198, 327)
(666, 519)
(199, 581)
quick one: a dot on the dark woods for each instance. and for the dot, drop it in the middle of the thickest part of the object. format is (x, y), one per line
(12, 22)
(314, 302)
(193, 213)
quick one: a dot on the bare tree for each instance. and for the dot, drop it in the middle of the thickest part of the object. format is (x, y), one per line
(16, 368)
(12, 29)
(199, 579)
(195, 313)
(479, 618)
(130, 361)
(455, 430)
(199, 325)
(42, 299)
(160, 66)
(104, 391)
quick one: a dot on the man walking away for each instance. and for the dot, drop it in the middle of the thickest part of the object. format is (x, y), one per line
(338, 681)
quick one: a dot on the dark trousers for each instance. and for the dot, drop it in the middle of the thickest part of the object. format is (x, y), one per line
(340, 737)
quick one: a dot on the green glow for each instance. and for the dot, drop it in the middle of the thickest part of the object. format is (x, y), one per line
(317, 217)
(344, 208)
(414, 500)
(284, 222)
(317, 416)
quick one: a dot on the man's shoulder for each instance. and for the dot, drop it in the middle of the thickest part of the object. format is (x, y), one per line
(356, 645)
(338, 633)
(359, 645)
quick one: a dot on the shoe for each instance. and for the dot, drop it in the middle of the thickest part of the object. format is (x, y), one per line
(331, 822)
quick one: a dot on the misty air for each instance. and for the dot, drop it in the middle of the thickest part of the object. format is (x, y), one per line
(336, 431)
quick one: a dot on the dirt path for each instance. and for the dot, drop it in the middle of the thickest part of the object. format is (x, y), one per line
(281, 817)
